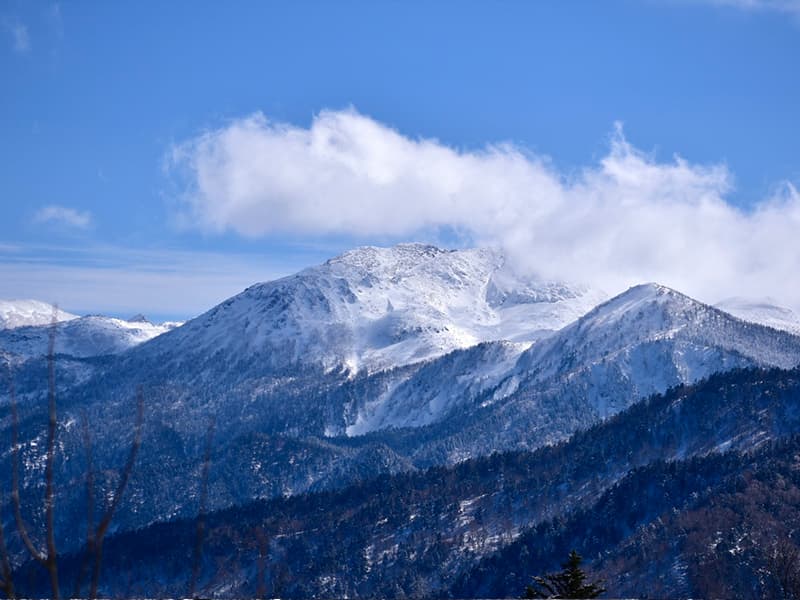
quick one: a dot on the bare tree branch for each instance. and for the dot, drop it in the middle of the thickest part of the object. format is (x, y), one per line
(7, 582)
(21, 528)
(121, 485)
(95, 536)
(49, 558)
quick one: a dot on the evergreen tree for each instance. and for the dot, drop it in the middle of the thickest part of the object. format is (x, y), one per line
(569, 583)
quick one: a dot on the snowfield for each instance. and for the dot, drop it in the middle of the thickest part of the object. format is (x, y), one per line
(21, 313)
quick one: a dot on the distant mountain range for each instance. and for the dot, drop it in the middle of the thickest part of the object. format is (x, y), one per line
(380, 362)
(765, 312)
(21, 313)
(80, 337)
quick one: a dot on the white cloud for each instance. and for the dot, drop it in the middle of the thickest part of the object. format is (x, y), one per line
(20, 39)
(627, 219)
(54, 213)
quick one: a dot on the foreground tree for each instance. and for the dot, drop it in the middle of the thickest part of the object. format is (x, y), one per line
(569, 583)
(48, 558)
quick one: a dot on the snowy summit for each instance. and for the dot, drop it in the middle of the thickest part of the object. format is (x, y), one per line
(21, 313)
(374, 308)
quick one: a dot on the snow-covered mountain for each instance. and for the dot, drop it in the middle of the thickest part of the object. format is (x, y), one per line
(765, 312)
(376, 308)
(642, 342)
(388, 359)
(639, 343)
(79, 337)
(428, 336)
(652, 315)
(21, 313)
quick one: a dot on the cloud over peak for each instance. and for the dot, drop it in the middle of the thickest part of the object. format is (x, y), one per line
(629, 218)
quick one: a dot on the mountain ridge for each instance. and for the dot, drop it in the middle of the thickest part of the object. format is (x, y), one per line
(286, 426)
(376, 308)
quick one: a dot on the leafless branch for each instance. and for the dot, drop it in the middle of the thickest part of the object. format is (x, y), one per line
(50, 455)
(49, 558)
(7, 582)
(95, 536)
(21, 527)
(121, 485)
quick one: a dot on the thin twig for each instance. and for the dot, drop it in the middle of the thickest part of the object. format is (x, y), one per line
(7, 582)
(102, 528)
(52, 428)
(48, 559)
(21, 528)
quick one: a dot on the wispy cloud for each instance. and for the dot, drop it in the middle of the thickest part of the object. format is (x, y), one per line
(630, 218)
(18, 33)
(63, 215)
(124, 281)
(54, 18)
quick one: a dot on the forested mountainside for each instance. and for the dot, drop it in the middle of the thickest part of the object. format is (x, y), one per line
(683, 494)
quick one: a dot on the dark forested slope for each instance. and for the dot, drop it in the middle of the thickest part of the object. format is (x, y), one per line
(646, 496)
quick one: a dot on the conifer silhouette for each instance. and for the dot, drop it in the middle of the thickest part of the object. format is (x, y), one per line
(569, 583)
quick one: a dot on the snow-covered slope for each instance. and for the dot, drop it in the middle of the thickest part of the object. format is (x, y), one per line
(20, 313)
(653, 337)
(439, 388)
(80, 337)
(392, 358)
(764, 312)
(639, 343)
(376, 308)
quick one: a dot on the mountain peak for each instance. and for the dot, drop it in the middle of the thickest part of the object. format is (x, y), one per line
(651, 287)
(638, 298)
(21, 313)
(400, 257)
(645, 340)
(138, 318)
(651, 291)
(376, 307)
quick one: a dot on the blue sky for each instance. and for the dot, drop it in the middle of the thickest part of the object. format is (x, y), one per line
(113, 201)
